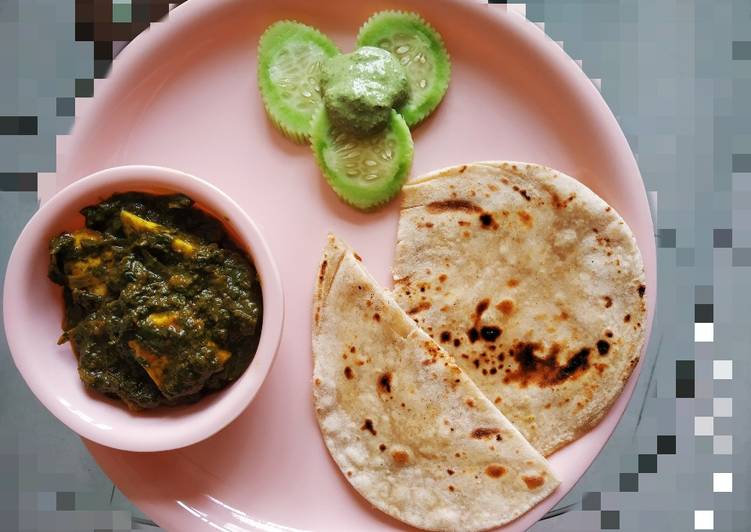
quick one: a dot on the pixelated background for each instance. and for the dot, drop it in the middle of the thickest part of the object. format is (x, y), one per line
(677, 74)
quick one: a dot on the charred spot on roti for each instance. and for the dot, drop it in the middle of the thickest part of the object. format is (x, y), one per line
(422, 305)
(641, 290)
(522, 192)
(544, 371)
(579, 361)
(481, 433)
(322, 271)
(490, 333)
(382, 447)
(525, 217)
(608, 333)
(453, 205)
(487, 220)
(470, 402)
(377, 317)
(451, 488)
(400, 457)
(445, 336)
(442, 278)
(506, 306)
(457, 342)
(603, 346)
(462, 168)
(450, 471)
(481, 307)
(358, 257)
(384, 382)
(627, 318)
(608, 301)
(511, 283)
(368, 425)
(495, 470)
(533, 482)
(349, 373)
(473, 335)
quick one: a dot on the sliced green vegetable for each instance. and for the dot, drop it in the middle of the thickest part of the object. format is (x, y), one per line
(290, 55)
(420, 50)
(363, 171)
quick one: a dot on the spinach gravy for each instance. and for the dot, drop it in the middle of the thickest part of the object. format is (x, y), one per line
(161, 306)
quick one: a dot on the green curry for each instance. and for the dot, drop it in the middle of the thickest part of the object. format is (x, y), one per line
(161, 307)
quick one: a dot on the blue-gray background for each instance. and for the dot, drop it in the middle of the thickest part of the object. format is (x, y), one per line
(677, 74)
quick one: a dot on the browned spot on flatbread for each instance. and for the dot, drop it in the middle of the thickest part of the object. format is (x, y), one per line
(368, 425)
(450, 471)
(377, 317)
(445, 336)
(452, 205)
(358, 257)
(608, 301)
(384, 382)
(544, 371)
(627, 318)
(562, 203)
(442, 277)
(481, 307)
(533, 482)
(422, 305)
(382, 447)
(487, 221)
(641, 290)
(322, 271)
(525, 217)
(506, 306)
(463, 169)
(484, 432)
(349, 373)
(603, 346)
(495, 470)
(490, 333)
(400, 457)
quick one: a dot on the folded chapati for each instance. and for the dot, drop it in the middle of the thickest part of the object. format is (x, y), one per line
(533, 283)
(406, 426)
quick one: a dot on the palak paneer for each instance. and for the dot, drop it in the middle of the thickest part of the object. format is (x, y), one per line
(161, 305)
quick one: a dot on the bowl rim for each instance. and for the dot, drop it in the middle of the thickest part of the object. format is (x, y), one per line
(197, 424)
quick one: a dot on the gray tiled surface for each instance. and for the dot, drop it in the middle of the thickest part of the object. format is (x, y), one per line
(677, 74)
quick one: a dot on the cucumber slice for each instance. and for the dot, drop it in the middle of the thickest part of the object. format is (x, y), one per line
(290, 55)
(363, 171)
(420, 50)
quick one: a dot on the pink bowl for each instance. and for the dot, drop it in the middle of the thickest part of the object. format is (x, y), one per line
(33, 312)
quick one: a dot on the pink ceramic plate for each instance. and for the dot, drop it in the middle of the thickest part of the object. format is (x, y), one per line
(184, 95)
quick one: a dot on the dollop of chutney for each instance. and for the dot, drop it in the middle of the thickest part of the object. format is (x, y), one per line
(360, 89)
(161, 306)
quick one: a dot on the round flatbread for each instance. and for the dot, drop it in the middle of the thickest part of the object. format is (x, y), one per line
(408, 429)
(533, 283)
